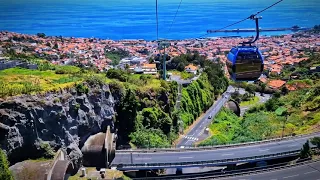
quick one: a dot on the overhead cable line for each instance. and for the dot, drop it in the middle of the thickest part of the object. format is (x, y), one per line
(250, 17)
(173, 21)
(157, 19)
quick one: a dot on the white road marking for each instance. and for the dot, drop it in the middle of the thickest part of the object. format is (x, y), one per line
(230, 154)
(190, 138)
(262, 150)
(291, 176)
(273, 179)
(189, 157)
(293, 145)
(142, 158)
(310, 172)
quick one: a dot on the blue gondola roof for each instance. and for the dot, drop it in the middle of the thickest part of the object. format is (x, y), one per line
(246, 48)
(232, 56)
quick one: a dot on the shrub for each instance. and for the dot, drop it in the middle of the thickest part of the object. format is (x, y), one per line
(41, 35)
(5, 173)
(95, 80)
(81, 88)
(305, 151)
(77, 107)
(56, 100)
(316, 141)
(46, 150)
(149, 138)
(117, 74)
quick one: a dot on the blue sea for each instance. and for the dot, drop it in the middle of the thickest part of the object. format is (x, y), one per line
(135, 19)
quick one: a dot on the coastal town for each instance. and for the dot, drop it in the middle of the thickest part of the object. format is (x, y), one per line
(278, 51)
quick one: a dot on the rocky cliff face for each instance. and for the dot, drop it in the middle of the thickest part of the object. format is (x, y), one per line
(63, 119)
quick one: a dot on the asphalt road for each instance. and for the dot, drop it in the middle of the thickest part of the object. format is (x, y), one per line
(194, 134)
(217, 154)
(305, 172)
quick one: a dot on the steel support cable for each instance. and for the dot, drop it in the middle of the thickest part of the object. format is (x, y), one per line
(173, 21)
(157, 19)
(250, 17)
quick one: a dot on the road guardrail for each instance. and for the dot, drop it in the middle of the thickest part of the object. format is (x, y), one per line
(209, 162)
(151, 150)
(232, 173)
(255, 171)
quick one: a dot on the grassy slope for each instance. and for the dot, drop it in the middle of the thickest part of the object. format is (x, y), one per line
(17, 81)
(252, 101)
(183, 74)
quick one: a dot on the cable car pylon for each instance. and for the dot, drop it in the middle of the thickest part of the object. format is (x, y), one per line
(162, 45)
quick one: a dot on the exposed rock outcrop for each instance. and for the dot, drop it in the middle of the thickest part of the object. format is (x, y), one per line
(64, 119)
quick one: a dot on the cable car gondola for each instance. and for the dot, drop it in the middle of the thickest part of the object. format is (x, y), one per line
(245, 63)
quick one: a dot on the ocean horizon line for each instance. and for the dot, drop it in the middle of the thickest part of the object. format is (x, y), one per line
(167, 39)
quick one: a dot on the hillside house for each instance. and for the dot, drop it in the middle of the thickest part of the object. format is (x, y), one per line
(191, 69)
(149, 69)
(276, 84)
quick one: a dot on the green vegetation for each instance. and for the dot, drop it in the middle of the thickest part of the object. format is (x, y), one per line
(182, 74)
(180, 62)
(117, 74)
(116, 55)
(46, 150)
(254, 100)
(302, 70)
(145, 104)
(305, 151)
(93, 174)
(148, 138)
(216, 77)
(17, 81)
(247, 99)
(316, 28)
(82, 88)
(145, 113)
(260, 87)
(5, 173)
(295, 112)
(223, 128)
(67, 70)
(196, 98)
(48, 77)
(41, 35)
(298, 112)
(316, 141)
(145, 108)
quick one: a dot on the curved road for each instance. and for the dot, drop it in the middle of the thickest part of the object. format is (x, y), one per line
(207, 155)
(304, 172)
(194, 134)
